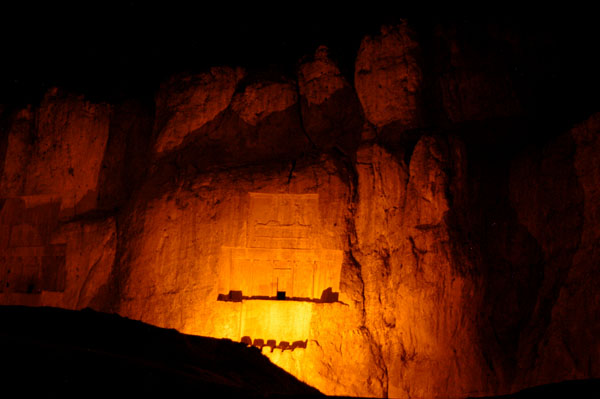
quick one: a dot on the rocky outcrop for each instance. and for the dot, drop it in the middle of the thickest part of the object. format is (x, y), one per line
(183, 233)
(89, 258)
(52, 253)
(331, 113)
(127, 153)
(556, 198)
(57, 151)
(254, 119)
(261, 99)
(17, 152)
(264, 120)
(419, 293)
(186, 103)
(47, 263)
(388, 77)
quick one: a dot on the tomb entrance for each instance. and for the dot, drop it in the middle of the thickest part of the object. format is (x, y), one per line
(29, 263)
(281, 271)
(283, 252)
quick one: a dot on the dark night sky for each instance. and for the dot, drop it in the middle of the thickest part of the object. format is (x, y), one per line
(118, 50)
(130, 47)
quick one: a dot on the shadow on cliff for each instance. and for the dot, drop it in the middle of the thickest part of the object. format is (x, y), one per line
(525, 222)
(126, 155)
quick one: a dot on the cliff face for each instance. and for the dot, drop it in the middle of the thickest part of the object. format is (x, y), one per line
(555, 198)
(378, 238)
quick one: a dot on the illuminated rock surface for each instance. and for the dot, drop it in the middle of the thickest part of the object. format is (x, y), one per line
(419, 294)
(407, 234)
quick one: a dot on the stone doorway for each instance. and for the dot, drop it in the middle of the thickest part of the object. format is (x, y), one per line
(282, 282)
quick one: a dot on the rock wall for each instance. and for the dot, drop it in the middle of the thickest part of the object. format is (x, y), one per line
(420, 295)
(556, 200)
(372, 242)
(57, 151)
(388, 77)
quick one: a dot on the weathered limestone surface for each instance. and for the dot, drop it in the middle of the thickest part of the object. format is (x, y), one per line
(70, 142)
(261, 99)
(341, 358)
(388, 77)
(57, 150)
(19, 137)
(235, 118)
(170, 267)
(45, 263)
(400, 250)
(418, 299)
(556, 197)
(186, 103)
(331, 112)
(320, 78)
(264, 122)
(30, 263)
(51, 174)
(90, 255)
(182, 231)
(127, 153)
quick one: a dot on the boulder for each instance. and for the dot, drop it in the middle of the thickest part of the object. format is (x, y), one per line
(258, 120)
(331, 113)
(388, 77)
(184, 104)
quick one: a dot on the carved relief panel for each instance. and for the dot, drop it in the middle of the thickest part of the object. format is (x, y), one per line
(283, 220)
(28, 262)
(283, 254)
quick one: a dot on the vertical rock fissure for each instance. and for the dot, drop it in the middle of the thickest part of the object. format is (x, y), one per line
(357, 266)
(374, 346)
(301, 119)
(292, 168)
